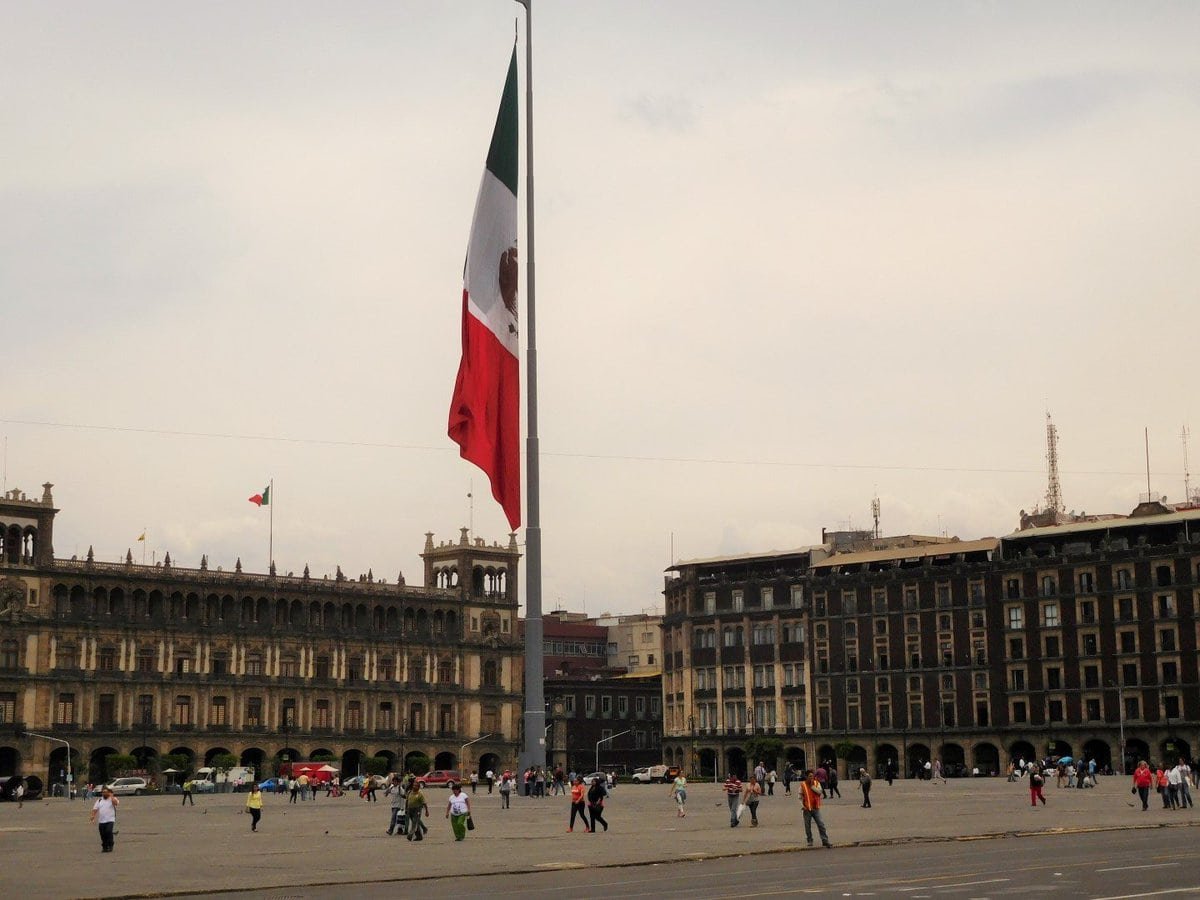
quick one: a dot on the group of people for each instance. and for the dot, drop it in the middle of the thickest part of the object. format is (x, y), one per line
(588, 801)
(1173, 783)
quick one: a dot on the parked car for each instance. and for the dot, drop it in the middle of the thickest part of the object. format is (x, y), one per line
(440, 778)
(595, 776)
(124, 787)
(649, 774)
(268, 785)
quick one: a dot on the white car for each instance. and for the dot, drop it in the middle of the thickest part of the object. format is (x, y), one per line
(124, 787)
(648, 774)
(595, 776)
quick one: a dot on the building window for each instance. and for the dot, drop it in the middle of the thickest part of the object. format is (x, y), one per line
(106, 710)
(1016, 617)
(606, 706)
(762, 634)
(1091, 709)
(1166, 640)
(1171, 706)
(797, 596)
(8, 708)
(254, 717)
(183, 710)
(1091, 676)
(639, 706)
(710, 602)
(1129, 674)
(1049, 588)
(1090, 644)
(1087, 583)
(289, 667)
(1017, 678)
(975, 593)
(655, 706)
(622, 706)
(1020, 713)
(1054, 678)
(65, 711)
(1170, 673)
(1012, 589)
(1053, 646)
(569, 704)
(1125, 608)
(1165, 606)
(321, 717)
(1054, 710)
(183, 664)
(942, 595)
(10, 654)
(879, 600)
(1127, 641)
(321, 667)
(220, 663)
(1050, 615)
(764, 676)
(589, 706)
(1124, 579)
(739, 603)
(1016, 648)
(911, 598)
(354, 716)
(108, 659)
(1133, 708)
(445, 672)
(767, 596)
(916, 715)
(850, 603)
(219, 713)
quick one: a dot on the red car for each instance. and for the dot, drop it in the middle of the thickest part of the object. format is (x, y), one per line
(439, 778)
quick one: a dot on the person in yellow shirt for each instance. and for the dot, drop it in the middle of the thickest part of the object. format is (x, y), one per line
(254, 806)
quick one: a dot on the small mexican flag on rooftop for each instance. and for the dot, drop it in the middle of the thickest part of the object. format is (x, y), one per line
(263, 499)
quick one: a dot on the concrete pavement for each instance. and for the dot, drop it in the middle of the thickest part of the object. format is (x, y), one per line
(50, 850)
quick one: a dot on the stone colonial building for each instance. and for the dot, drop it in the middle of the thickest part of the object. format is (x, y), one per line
(154, 660)
(1077, 639)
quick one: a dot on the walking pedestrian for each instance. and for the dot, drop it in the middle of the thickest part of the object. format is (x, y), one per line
(414, 806)
(254, 806)
(787, 778)
(937, 772)
(397, 818)
(595, 800)
(890, 771)
(733, 794)
(293, 789)
(474, 781)
(104, 814)
(505, 790)
(491, 777)
(831, 779)
(864, 782)
(19, 794)
(751, 795)
(578, 806)
(188, 786)
(1142, 779)
(771, 779)
(1035, 787)
(679, 794)
(810, 797)
(1185, 792)
(458, 810)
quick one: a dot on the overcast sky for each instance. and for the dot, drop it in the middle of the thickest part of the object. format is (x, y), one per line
(789, 255)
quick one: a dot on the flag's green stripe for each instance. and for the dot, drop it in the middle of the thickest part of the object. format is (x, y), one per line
(502, 155)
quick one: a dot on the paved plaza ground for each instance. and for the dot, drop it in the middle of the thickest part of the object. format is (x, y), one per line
(50, 849)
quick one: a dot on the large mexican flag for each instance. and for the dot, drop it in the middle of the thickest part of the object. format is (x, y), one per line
(485, 418)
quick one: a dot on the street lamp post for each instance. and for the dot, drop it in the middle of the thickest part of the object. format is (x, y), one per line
(70, 772)
(1121, 719)
(611, 737)
(463, 752)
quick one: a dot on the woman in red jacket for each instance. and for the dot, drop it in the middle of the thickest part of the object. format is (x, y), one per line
(578, 805)
(1142, 779)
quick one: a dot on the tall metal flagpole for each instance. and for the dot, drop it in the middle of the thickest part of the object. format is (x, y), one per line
(271, 533)
(533, 752)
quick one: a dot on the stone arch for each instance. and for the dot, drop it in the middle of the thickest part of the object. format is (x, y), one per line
(410, 759)
(1100, 751)
(188, 753)
(228, 610)
(1057, 748)
(451, 624)
(296, 614)
(212, 753)
(410, 620)
(314, 614)
(439, 622)
(352, 762)
(56, 770)
(392, 619)
(347, 617)
(147, 758)
(986, 758)
(262, 611)
(361, 618)
(1021, 750)
(329, 616)
(378, 618)
(857, 759)
(212, 609)
(422, 622)
(884, 754)
(477, 581)
(797, 757)
(1173, 749)
(489, 762)
(954, 759)
(1135, 751)
(139, 610)
(247, 610)
(389, 757)
(444, 760)
(97, 772)
(10, 761)
(154, 606)
(706, 759)
(735, 761)
(918, 755)
(256, 758)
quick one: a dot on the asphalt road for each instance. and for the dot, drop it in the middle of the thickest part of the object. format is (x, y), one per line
(1109, 865)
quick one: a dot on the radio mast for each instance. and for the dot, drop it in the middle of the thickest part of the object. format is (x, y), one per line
(1054, 500)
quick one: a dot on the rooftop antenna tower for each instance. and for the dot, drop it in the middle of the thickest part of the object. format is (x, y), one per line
(875, 514)
(1187, 476)
(1054, 500)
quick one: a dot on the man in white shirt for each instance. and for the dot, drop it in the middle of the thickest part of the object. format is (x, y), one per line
(1185, 791)
(104, 813)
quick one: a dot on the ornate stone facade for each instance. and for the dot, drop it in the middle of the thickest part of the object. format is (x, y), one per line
(154, 660)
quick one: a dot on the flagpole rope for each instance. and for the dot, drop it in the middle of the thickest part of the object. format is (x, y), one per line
(579, 454)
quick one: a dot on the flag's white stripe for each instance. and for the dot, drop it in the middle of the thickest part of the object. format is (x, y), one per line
(493, 231)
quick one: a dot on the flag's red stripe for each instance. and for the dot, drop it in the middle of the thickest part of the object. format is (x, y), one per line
(485, 412)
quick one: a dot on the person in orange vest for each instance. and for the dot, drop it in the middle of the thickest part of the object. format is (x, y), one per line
(810, 796)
